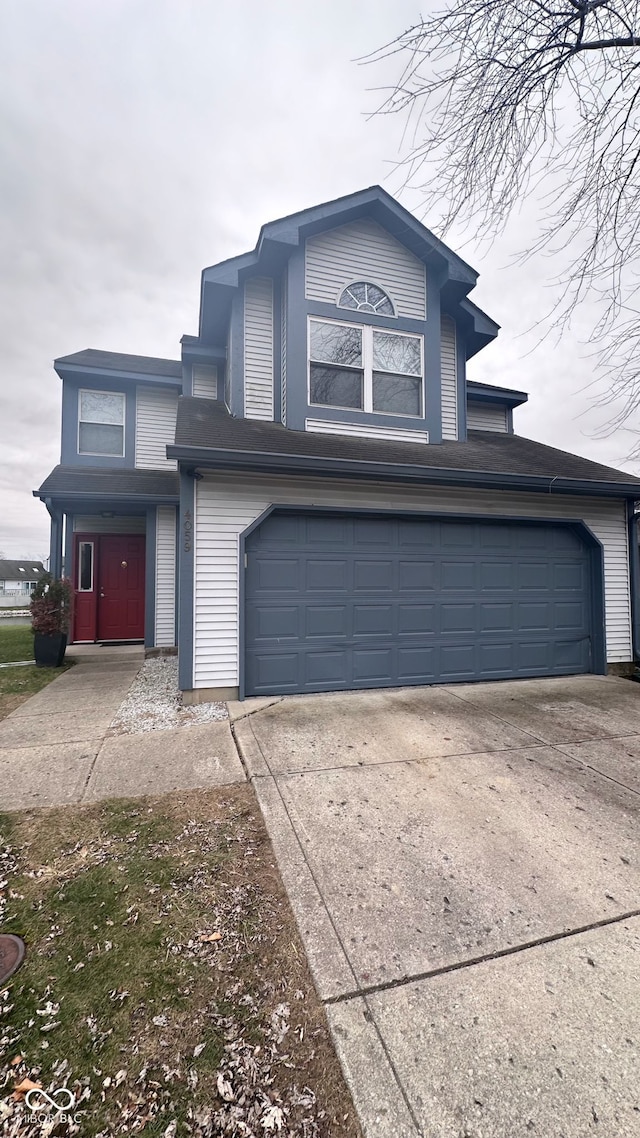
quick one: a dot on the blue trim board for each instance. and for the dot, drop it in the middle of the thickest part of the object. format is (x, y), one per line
(236, 356)
(634, 577)
(150, 579)
(186, 545)
(55, 544)
(461, 382)
(598, 639)
(277, 348)
(68, 545)
(177, 579)
(296, 345)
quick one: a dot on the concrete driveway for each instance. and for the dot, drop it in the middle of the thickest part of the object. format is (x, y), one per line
(464, 865)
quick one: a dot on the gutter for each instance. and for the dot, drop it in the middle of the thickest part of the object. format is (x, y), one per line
(222, 459)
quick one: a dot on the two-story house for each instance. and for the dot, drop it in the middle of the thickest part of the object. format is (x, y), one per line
(314, 497)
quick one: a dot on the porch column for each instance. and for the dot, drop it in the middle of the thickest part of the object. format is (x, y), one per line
(55, 544)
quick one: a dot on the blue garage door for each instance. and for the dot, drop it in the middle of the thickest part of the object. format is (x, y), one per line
(349, 601)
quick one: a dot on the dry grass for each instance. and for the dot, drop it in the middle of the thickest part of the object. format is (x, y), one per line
(165, 982)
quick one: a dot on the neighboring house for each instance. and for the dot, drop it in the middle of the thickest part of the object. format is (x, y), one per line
(18, 579)
(337, 506)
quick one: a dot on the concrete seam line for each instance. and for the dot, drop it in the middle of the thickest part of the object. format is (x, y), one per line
(238, 747)
(499, 718)
(596, 770)
(91, 770)
(370, 1017)
(304, 856)
(499, 954)
(257, 710)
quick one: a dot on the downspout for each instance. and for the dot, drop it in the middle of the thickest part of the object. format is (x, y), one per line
(634, 578)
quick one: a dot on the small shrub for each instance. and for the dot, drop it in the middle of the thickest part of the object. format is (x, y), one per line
(50, 605)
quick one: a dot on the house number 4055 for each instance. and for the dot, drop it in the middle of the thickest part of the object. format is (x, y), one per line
(187, 529)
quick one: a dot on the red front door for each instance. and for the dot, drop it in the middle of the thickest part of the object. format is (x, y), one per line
(121, 587)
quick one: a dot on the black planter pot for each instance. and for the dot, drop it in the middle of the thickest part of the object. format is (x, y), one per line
(49, 650)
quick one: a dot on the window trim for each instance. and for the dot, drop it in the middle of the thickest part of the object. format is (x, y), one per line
(367, 369)
(361, 280)
(93, 564)
(96, 391)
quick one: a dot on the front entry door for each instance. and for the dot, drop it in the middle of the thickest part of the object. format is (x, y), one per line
(121, 587)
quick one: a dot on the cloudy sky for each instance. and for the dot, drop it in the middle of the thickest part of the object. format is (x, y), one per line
(144, 139)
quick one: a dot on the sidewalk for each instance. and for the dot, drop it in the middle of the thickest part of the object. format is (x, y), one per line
(55, 749)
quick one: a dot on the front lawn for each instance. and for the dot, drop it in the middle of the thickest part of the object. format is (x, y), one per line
(165, 983)
(16, 642)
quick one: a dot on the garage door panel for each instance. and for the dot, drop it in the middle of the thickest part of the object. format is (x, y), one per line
(374, 620)
(373, 665)
(416, 575)
(372, 602)
(325, 574)
(458, 575)
(495, 576)
(416, 619)
(325, 667)
(322, 620)
(495, 616)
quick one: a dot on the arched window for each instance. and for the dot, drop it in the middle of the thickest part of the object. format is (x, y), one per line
(366, 297)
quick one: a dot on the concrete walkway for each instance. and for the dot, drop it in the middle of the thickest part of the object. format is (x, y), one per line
(56, 749)
(464, 866)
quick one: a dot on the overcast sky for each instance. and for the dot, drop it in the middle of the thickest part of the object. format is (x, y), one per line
(143, 139)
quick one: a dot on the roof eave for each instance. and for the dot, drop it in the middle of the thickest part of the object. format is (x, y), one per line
(221, 458)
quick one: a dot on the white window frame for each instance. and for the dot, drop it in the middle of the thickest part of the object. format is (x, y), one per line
(94, 391)
(93, 563)
(378, 315)
(367, 367)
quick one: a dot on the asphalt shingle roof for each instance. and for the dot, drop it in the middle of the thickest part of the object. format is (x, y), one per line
(22, 570)
(206, 423)
(94, 482)
(118, 361)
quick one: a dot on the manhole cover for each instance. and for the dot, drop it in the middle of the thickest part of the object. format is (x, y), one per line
(12, 953)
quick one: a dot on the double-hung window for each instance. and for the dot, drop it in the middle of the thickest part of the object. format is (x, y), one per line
(359, 367)
(101, 423)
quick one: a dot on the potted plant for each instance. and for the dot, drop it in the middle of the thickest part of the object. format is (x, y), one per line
(50, 616)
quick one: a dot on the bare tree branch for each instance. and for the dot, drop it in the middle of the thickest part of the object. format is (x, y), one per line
(507, 98)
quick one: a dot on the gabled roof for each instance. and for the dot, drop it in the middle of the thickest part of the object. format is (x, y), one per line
(372, 202)
(24, 569)
(91, 359)
(278, 239)
(207, 435)
(100, 482)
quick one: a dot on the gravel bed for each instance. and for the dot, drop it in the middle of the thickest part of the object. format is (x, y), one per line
(154, 702)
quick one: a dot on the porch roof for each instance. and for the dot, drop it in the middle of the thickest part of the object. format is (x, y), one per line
(91, 483)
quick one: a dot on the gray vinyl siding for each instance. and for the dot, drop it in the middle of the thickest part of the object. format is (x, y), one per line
(362, 430)
(225, 507)
(258, 348)
(205, 381)
(487, 417)
(165, 630)
(283, 348)
(94, 523)
(449, 381)
(364, 250)
(156, 411)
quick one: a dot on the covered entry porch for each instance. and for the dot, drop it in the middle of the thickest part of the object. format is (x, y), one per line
(119, 551)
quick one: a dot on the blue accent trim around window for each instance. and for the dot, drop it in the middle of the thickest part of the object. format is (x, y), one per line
(70, 411)
(150, 579)
(599, 661)
(298, 311)
(186, 543)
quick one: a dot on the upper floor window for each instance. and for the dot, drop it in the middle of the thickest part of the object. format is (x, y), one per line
(366, 297)
(359, 367)
(101, 423)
